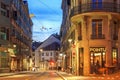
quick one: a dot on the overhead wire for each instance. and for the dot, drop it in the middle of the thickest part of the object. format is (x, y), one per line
(38, 20)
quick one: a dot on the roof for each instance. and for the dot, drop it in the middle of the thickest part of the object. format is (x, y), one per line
(50, 40)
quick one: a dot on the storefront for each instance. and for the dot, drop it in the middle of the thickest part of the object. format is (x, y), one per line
(4, 60)
(97, 58)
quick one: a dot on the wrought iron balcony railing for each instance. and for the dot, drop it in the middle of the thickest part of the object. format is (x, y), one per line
(95, 7)
(102, 36)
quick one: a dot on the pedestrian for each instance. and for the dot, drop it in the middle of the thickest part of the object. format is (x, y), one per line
(59, 68)
(97, 66)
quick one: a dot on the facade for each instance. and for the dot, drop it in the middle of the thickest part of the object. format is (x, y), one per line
(93, 35)
(46, 55)
(15, 35)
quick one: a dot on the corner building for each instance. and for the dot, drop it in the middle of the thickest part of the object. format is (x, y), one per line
(94, 31)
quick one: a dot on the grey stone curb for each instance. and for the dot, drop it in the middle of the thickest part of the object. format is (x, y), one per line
(61, 76)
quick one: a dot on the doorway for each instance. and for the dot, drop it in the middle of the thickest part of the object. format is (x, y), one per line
(97, 59)
(81, 61)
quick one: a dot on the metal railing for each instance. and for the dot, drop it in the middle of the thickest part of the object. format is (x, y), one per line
(102, 36)
(95, 7)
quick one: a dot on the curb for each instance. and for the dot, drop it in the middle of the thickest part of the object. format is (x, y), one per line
(10, 74)
(61, 76)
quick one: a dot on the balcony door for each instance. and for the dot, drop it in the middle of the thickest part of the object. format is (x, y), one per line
(96, 4)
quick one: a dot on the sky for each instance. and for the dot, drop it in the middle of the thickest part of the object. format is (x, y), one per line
(47, 18)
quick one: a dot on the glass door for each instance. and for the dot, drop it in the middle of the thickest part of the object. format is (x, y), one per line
(97, 61)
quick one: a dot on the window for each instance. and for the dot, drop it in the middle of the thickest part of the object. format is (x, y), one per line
(115, 6)
(79, 31)
(15, 15)
(114, 56)
(97, 29)
(3, 6)
(51, 53)
(3, 13)
(97, 58)
(97, 4)
(42, 54)
(3, 60)
(47, 54)
(3, 33)
(43, 59)
(115, 31)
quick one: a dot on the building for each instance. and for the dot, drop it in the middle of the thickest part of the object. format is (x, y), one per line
(92, 36)
(46, 55)
(15, 35)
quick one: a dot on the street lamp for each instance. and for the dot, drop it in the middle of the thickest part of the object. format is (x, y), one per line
(41, 50)
(70, 40)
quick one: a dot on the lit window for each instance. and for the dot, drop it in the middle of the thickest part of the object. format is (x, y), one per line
(114, 56)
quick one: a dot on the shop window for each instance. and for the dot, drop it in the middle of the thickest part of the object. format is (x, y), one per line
(97, 59)
(3, 59)
(114, 56)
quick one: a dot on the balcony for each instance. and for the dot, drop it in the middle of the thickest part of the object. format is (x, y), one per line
(102, 36)
(95, 7)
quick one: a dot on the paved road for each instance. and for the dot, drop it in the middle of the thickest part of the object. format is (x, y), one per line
(49, 75)
(55, 75)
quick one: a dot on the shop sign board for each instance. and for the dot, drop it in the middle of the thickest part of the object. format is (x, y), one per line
(97, 49)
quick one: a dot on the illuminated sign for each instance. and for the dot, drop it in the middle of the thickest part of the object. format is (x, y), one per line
(97, 49)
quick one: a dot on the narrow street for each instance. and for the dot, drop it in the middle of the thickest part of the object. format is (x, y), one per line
(48, 75)
(55, 75)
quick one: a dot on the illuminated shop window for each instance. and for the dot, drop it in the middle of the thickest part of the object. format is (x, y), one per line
(114, 56)
(3, 60)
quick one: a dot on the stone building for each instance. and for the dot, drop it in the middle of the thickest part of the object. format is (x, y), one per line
(92, 36)
(46, 55)
(15, 35)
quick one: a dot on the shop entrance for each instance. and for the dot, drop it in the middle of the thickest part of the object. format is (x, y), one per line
(81, 61)
(97, 60)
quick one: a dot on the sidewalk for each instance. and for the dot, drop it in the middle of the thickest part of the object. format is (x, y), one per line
(10, 73)
(14, 73)
(19, 72)
(66, 76)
